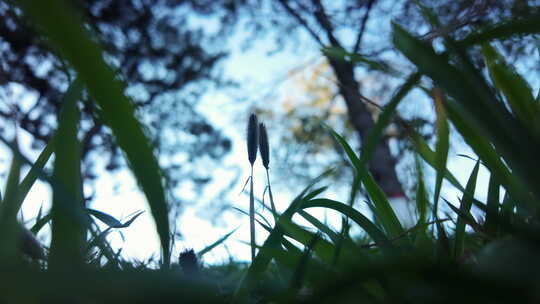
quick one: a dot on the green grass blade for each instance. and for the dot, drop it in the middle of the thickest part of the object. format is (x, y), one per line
(299, 274)
(9, 229)
(429, 156)
(64, 30)
(375, 233)
(216, 243)
(517, 91)
(385, 118)
(422, 203)
(383, 210)
(71, 96)
(492, 208)
(441, 146)
(323, 249)
(321, 226)
(69, 223)
(465, 208)
(370, 64)
(503, 30)
(490, 158)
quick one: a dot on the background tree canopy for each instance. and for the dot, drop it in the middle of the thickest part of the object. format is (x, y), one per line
(164, 56)
(169, 54)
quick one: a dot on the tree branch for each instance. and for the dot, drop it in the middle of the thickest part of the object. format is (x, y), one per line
(363, 26)
(324, 22)
(301, 20)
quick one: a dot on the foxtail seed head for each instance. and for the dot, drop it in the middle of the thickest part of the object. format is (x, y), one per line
(263, 145)
(252, 138)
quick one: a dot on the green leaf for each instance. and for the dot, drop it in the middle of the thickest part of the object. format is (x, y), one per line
(375, 233)
(492, 210)
(383, 210)
(517, 91)
(503, 30)
(465, 208)
(109, 220)
(216, 243)
(9, 227)
(370, 64)
(422, 202)
(385, 118)
(319, 225)
(323, 249)
(429, 156)
(65, 31)
(69, 223)
(40, 223)
(441, 147)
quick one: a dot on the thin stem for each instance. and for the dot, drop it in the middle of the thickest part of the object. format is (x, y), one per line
(252, 216)
(272, 205)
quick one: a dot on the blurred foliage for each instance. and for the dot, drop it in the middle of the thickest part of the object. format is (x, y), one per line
(163, 50)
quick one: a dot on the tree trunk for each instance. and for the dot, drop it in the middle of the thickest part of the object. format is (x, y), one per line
(382, 163)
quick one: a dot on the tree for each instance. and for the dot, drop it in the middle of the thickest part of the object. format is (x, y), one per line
(363, 27)
(165, 59)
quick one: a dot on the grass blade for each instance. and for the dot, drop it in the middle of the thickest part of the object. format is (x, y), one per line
(383, 210)
(441, 146)
(375, 233)
(68, 218)
(465, 208)
(216, 243)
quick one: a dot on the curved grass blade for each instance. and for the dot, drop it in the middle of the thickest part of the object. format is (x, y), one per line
(441, 146)
(72, 94)
(503, 30)
(9, 227)
(319, 225)
(370, 64)
(383, 210)
(385, 118)
(323, 249)
(375, 233)
(429, 156)
(517, 91)
(465, 208)
(69, 222)
(65, 31)
(40, 223)
(216, 243)
(492, 209)
(301, 269)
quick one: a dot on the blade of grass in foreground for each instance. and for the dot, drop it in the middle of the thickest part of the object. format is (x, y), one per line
(383, 210)
(71, 96)
(65, 31)
(273, 242)
(216, 243)
(9, 232)
(375, 233)
(441, 147)
(465, 208)
(69, 223)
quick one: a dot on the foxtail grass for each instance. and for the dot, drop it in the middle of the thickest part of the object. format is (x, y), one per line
(252, 144)
(265, 157)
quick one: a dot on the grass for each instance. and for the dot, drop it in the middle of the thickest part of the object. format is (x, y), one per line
(453, 259)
